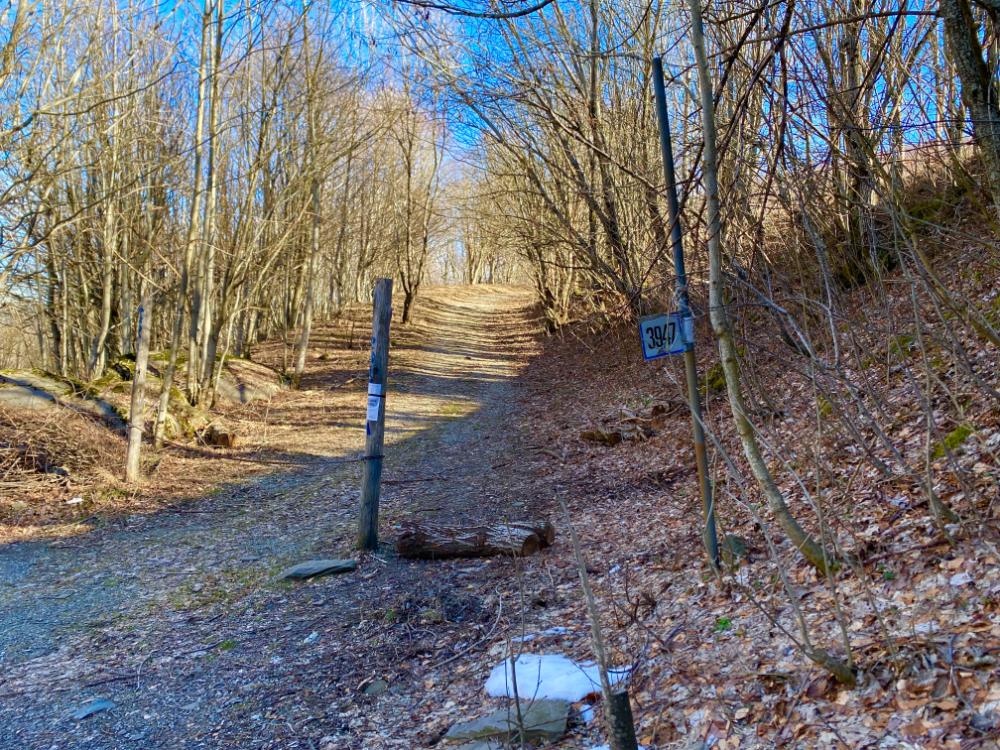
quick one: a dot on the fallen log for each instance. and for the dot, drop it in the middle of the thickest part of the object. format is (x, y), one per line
(434, 542)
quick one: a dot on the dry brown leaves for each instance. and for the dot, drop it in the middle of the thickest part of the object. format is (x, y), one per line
(717, 661)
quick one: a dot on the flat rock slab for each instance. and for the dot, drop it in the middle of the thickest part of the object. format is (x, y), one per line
(544, 720)
(26, 397)
(93, 707)
(315, 568)
(24, 389)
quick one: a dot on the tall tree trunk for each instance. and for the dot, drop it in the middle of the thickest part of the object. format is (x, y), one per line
(312, 251)
(980, 93)
(721, 324)
(194, 230)
(198, 369)
(310, 284)
(138, 403)
(98, 351)
(853, 116)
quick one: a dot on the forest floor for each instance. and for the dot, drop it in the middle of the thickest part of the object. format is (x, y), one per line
(172, 613)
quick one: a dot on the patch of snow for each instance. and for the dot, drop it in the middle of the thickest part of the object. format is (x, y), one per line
(960, 579)
(587, 714)
(553, 676)
(74, 501)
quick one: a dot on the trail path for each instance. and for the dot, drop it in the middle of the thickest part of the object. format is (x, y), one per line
(176, 618)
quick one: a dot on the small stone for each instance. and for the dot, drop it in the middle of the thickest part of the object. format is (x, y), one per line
(431, 616)
(544, 720)
(734, 550)
(960, 579)
(310, 639)
(376, 687)
(611, 437)
(315, 568)
(985, 722)
(93, 707)
(218, 436)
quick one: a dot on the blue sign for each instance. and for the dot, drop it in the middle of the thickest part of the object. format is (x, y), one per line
(666, 333)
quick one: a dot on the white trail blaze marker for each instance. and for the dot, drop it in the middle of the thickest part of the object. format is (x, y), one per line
(664, 334)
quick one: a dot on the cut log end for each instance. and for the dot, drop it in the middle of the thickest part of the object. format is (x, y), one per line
(516, 539)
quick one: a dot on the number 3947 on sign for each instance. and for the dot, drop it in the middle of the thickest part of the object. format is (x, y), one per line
(665, 334)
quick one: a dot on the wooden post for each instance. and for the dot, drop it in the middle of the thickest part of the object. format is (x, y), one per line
(138, 403)
(375, 417)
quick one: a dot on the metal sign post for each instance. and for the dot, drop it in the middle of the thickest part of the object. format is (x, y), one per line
(375, 416)
(683, 321)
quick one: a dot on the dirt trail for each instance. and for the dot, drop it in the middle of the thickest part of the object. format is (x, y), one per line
(175, 616)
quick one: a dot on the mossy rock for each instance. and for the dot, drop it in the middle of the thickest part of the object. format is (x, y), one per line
(992, 313)
(188, 420)
(902, 346)
(824, 407)
(162, 358)
(243, 381)
(734, 550)
(953, 440)
(124, 367)
(714, 380)
(38, 389)
(932, 208)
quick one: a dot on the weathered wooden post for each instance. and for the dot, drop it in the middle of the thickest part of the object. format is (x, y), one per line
(709, 536)
(375, 416)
